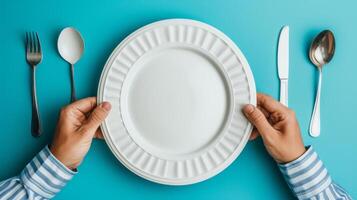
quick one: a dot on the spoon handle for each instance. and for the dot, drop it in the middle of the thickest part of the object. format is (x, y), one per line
(315, 118)
(73, 90)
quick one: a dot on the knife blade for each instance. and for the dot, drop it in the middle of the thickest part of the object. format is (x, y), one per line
(283, 64)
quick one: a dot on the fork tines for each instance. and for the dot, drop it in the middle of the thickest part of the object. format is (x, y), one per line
(33, 48)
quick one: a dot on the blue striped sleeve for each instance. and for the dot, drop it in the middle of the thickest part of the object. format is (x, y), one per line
(309, 179)
(42, 178)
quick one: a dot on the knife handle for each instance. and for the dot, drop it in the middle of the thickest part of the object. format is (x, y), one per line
(284, 92)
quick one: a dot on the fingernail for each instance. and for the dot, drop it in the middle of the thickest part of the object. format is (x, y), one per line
(106, 106)
(248, 109)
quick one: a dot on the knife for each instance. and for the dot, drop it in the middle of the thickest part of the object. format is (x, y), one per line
(283, 64)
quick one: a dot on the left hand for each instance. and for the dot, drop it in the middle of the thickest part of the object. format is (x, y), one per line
(77, 126)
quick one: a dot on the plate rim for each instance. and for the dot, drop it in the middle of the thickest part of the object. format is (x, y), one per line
(247, 131)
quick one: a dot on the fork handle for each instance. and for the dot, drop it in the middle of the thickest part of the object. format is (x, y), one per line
(73, 89)
(35, 122)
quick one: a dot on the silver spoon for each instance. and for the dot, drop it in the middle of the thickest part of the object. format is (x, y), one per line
(71, 46)
(321, 52)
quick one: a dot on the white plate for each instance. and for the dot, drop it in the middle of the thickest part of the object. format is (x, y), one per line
(176, 88)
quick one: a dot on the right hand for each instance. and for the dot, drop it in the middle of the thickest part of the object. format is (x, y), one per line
(278, 127)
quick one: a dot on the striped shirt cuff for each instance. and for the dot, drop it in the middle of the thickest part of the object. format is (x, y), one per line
(45, 175)
(306, 176)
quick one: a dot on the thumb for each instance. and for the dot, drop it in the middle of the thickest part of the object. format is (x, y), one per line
(258, 119)
(97, 117)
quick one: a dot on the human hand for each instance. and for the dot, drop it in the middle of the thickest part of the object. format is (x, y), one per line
(278, 127)
(77, 126)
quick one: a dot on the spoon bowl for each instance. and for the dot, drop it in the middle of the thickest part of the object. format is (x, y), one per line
(321, 52)
(322, 48)
(70, 45)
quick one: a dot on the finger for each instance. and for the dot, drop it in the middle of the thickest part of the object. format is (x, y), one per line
(84, 105)
(269, 104)
(265, 112)
(277, 117)
(257, 118)
(98, 134)
(254, 134)
(96, 118)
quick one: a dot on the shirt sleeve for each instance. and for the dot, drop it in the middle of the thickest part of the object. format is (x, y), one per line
(309, 179)
(42, 178)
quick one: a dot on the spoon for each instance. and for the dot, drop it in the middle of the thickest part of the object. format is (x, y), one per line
(70, 46)
(321, 52)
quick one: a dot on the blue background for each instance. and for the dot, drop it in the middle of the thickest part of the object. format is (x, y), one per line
(254, 25)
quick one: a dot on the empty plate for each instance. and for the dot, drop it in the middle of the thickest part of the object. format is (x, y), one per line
(176, 88)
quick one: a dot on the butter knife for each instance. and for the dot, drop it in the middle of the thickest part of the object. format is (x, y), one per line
(283, 64)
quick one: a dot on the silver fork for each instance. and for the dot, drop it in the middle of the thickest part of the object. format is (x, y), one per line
(33, 58)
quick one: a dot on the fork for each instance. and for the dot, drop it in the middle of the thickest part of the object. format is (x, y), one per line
(33, 58)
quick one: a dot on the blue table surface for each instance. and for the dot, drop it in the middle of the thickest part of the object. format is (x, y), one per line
(254, 26)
